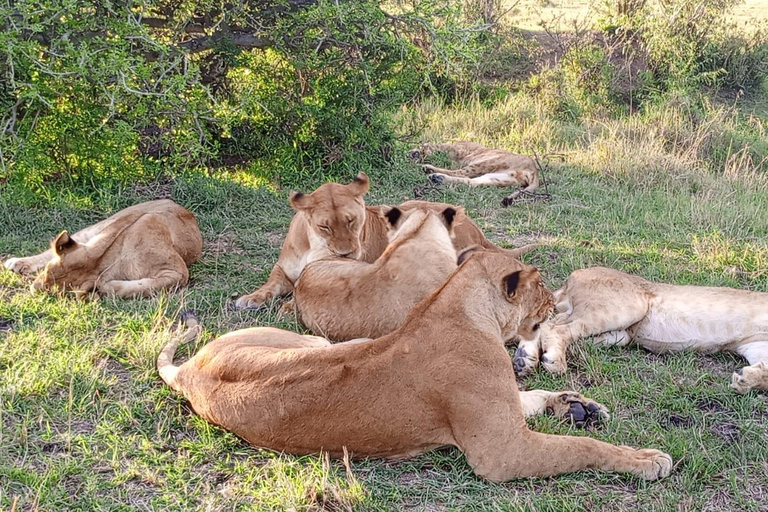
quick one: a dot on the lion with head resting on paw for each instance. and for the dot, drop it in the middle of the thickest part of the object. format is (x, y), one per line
(136, 252)
(443, 378)
(616, 308)
(333, 221)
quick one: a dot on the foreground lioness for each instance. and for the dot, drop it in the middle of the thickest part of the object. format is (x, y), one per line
(342, 299)
(480, 166)
(443, 378)
(618, 308)
(334, 221)
(138, 250)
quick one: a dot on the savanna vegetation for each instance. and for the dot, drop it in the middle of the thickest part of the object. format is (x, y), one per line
(655, 113)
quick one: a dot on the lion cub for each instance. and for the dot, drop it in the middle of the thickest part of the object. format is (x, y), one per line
(137, 251)
(617, 308)
(480, 166)
(343, 299)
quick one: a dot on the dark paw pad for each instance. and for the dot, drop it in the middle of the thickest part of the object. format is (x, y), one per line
(187, 316)
(545, 359)
(740, 371)
(434, 178)
(583, 416)
(519, 361)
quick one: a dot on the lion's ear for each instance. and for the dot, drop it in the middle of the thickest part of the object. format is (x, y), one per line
(393, 215)
(63, 243)
(519, 279)
(300, 200)
(449, 214)
(360, 185)
(463, 255)
(512, 283)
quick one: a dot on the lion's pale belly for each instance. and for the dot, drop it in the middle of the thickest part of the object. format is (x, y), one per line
(703, 319)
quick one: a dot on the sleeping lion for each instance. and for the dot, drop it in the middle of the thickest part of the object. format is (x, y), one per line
(617, 308)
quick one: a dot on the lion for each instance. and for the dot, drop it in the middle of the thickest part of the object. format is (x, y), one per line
(134, 253)
(334, 221)
(342, 299)
(617, 308)
(480, 166)
(442, 378)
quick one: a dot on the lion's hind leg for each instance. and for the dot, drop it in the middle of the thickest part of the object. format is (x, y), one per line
(754, 376)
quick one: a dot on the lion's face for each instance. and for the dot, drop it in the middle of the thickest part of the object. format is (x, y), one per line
(522, 302)
(67, 270)
(533, 304)
(336, 215)
(420, 153)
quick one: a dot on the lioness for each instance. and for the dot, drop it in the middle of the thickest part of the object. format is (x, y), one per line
(443, 378)
(138, 250)
(342, 299)
(480, 166)
(617, 308)
(334, 221)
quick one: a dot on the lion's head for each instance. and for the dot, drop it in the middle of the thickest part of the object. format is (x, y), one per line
(522, 301)
(70, 268)
(420, 153)
(335, 215)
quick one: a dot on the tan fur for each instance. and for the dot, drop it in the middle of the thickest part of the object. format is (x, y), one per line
(356, 232)
(617, 308)
(344, 299)
(137, 251)
(443, 378)
(480, 166)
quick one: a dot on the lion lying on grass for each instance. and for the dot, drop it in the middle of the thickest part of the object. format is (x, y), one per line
(135, 252)
(443, 378)
(334, 221)
(480, 166)
(617, 308)
(342, 299)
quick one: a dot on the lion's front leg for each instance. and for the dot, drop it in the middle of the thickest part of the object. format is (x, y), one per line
(29, 264)
(277, 285)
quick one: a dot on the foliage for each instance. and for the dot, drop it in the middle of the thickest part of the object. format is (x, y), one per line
(688, 44)
(122, 92)
(581, 83)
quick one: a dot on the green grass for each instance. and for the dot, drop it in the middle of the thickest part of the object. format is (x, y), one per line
(86, 424)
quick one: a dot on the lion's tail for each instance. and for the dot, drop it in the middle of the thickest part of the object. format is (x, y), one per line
(169, 372)
(519, 251)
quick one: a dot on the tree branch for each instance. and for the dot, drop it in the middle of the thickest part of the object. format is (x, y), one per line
(249, 41)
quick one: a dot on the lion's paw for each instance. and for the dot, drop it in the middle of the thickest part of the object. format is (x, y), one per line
(611, 339)
(18, 265)
(554, 363)
(287, 309)
(749, 377)
(436, 178)
(582, 411)
(525, 361)
(251, 301)
(652, 464)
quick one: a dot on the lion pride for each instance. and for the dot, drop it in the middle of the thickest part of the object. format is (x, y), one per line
(443, 378)
(334, 221)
